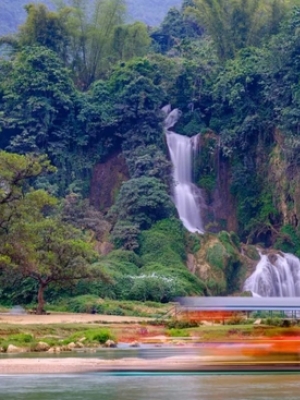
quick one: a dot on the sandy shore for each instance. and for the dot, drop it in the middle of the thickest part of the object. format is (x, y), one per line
(171, 364)
(28, 319)
(83, 365)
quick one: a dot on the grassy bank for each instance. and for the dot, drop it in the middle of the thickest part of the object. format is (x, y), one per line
(94, 335)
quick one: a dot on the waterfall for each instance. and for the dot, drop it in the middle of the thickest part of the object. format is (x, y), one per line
(275, 278)
(182, 152)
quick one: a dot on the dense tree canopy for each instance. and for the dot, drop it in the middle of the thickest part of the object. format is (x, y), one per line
(84, 89)
(35, 243)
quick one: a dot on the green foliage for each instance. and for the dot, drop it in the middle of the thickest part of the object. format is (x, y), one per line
(91, 30)
(39, 109)
(181, 281)
(125, 235)
(244, 99)
(193, 243)
(37, 245)
(206, 166)
(102, 336)
(226, 266)
(234, 25)
(143, 201)
(148, 161)
(288, 240)
(216, 256)
(173, 332)
(274, 321)
(177, 325)
(130, 41)
(21, 338)
(93, 304)
(165, 242)
(154, 287)
(45, 28)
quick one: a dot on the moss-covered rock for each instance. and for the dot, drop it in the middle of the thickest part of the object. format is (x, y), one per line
(219, 264)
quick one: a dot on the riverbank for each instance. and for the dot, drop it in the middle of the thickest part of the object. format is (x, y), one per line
(40, 366)
(83, 365)
(66, 318)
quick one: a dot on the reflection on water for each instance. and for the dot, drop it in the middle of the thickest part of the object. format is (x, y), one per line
(149, 387)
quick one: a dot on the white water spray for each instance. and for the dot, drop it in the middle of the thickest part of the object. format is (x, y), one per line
(276, 278)
(182, 151)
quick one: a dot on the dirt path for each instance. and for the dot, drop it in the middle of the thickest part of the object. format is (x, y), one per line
(25, 319)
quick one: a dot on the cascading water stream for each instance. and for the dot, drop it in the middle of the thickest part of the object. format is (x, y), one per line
(275, 278)
(182, 151)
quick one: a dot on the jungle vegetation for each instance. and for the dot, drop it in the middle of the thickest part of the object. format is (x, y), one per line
(78, 87)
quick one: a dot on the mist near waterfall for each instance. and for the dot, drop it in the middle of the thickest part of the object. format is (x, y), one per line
(278, 276)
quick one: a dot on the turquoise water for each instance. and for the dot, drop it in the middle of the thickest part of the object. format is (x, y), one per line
(150, 387)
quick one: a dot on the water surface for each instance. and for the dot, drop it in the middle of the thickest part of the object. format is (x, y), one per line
(150, 387)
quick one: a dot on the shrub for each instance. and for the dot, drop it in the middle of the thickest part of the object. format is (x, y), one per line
(21, 338)
(102, 336)
(273, 321)
(182, 324)
(173, 332)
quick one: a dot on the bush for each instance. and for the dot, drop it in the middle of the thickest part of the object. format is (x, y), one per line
(165, 242)
(142, 201)
(182, 324)
(173, 332)
(21, 338)
(217, 256)
(273, 321)
(102, 336)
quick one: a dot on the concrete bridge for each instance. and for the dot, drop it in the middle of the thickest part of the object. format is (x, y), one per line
(288, 305)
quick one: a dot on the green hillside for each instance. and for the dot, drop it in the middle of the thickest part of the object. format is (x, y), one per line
(86, 165)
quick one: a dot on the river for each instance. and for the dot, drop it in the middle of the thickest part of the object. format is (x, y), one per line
(150, 387)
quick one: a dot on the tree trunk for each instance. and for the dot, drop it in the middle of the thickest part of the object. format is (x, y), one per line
(41, 302)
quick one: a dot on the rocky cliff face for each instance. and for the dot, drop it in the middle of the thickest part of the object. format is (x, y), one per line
(213, 176)
(285, 178)
(106, 181)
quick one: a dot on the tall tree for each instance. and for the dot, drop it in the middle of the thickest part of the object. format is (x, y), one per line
(91, 28)
(33, 242)
(235, 24)
(49, 252)
(46, 28)
(131, 41)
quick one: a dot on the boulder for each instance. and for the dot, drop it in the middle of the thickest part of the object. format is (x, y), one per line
(42, 346)
(71, 346)
(55, 349)
(65, 348)
(14, 349)
(110, 343)
(79, 345)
